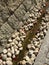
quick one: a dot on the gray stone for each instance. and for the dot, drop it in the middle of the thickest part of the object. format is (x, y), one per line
(42, 56)
(13, 4)
(20, 12)
(4, 13)
(1, 35)
(27, 4)
(26, 16)
(1, 49)
(6, 29)
(13, 22)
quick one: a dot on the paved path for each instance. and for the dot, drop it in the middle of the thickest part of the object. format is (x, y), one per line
(43, 56)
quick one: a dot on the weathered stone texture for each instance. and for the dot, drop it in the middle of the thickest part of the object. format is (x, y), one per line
(42, 57)
(27, 4)
(20, 12)
(6, 29)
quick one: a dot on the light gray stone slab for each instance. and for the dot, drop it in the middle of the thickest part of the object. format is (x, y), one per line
(42, 56)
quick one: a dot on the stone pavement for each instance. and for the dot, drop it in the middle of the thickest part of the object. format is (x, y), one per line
(43, 56)
(12, 13)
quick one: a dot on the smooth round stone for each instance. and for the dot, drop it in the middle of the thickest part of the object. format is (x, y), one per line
(38, 34)
(9, 54)
(31, 51)
(34, 39)
(19, 44)
(12, 50)
(33, 47)
(23, 62)
(10, 40)
(23, 36)
(16, 42)
(17, 38)
(4, 56)
(17, 33)
(29, 46)
(17, 52)
(33, 57)
(13, 56)
(43, 23)
(9, 59)
(26, 28)
(27, 58)
(9, 63)
(8, 45)
(31, 24)
(36, 42)
(37, 49)
(9, 50)
(21, 48)
(41, 33)
(21, 31)
(12, 43)
(15, 49)
(4, 62)
(30, 16)
(5, 51)
(44, 31)
(1, 62)
(39, 38)
(41, 28)
(22, 39)
(13, 36)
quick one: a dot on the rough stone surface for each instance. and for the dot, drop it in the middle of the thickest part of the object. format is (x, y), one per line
(6, 29)
(12, 14)
(20, 12)
(27, 4)
(43, 56)
(13, 22)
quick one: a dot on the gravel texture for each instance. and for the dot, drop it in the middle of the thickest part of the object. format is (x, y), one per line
(17, 18)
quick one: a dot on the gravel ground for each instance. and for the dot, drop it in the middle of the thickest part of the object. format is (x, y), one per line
(19, 19)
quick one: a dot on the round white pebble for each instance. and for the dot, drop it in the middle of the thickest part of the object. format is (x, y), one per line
(9, 63)
(9, 54)
(5, 51)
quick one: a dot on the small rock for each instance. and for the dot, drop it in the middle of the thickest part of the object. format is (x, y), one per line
(19, 44)
(9, 59)
(4, 56)
(13, 56)
(10, 40)
(17, 38)
(17, 52)
(29, 46)
(26, 58)
(12, 50)
(1, 62)
(13, 36)
(33, 57)
(9, 63)
(4, 63)
(8, 45)
(21, 48)
(9, 54)
(5, 51)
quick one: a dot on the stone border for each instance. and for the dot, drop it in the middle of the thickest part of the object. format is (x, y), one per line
(42, 55)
